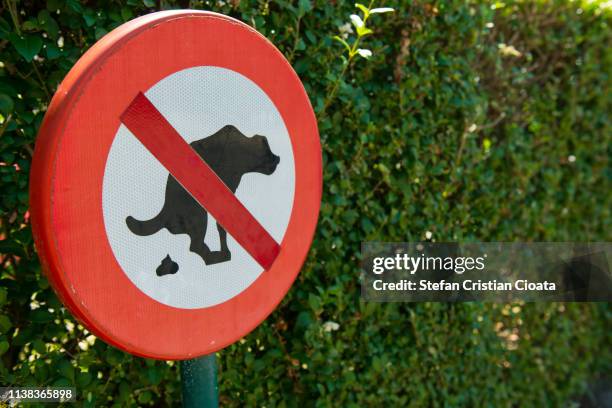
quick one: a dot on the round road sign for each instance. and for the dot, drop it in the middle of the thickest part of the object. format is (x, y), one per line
(176, 184)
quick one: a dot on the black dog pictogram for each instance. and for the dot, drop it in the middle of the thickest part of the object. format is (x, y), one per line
(231, 155)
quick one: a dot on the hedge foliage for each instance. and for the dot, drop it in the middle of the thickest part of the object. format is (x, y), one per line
(470, 121)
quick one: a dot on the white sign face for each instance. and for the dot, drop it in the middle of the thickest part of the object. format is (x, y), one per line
(141, 206)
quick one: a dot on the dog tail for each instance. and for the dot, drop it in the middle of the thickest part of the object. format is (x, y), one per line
(144, 228)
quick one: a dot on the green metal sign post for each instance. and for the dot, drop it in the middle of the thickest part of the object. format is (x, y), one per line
(199, 382)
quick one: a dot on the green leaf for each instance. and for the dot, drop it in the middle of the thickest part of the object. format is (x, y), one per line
(39, 346)
(30, 25)
(41, 316)
(4, 346)
(26, 45)
(363, 8)
(113, 357)
(367, 225)
(363, 31)
(90, 17)
(5, 324)
(48, 23)
(341, 41)
(7, 87)
(314, 302)
(3, 295)
(303, 320)
(6, 105)
(154, 375)
(54, 5)
(9, 246)
(145, 397)
(75, 5)
(126, 14)
(304, 6)
(5, 29)
(83, 379)
(486, 145)
(100, 32)
(67, 370)
(62, 382)
(149, 3)
(52, 51)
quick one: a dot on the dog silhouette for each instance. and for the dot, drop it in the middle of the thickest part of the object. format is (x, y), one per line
(230, 154)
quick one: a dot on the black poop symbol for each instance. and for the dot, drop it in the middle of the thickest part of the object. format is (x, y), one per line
(231, 155)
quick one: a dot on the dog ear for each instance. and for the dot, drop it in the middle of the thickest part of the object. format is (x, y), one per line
(232, 133)
(261, 144)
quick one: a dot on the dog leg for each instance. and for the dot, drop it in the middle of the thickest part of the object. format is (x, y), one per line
(210, 257)
(215, 257)
(224, 254)
(198, 246)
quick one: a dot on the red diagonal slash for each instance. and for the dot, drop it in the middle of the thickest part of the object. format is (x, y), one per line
(186, 166)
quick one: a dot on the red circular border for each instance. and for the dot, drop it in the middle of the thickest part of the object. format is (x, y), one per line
(68, 169)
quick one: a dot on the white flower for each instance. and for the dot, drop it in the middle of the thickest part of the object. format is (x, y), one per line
(364, 53)
(508, 50)
(357, 21)
(69, 326)
(330, 326)
(381, 10)
(428, 234)
(346, 30)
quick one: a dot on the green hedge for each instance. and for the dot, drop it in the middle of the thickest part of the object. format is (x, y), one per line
(471, 121)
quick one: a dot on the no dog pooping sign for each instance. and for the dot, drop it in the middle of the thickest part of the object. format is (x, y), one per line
(176, 184)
